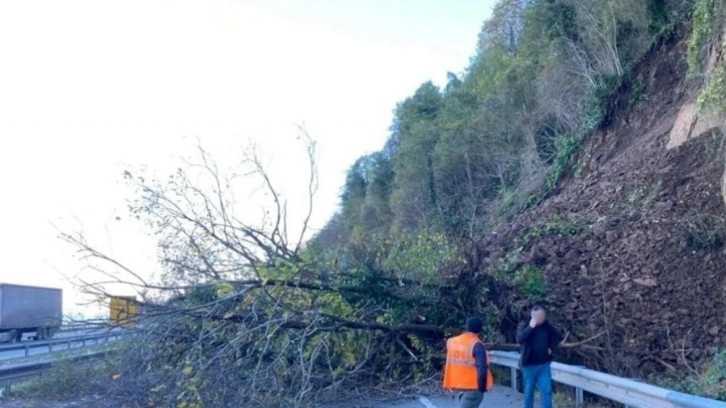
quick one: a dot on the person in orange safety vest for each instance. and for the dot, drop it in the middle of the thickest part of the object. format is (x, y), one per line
(467, 365)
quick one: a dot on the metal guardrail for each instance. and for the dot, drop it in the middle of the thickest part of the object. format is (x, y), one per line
(56, 344)
(80, 326)
(21, 371)
(628, 392)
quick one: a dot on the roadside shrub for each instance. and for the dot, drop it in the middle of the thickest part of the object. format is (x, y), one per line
(710, 382)
(69, 379)
(530, 281)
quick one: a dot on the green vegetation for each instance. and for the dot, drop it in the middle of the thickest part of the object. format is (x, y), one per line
(706, 26)
(704, 232)
(67, 379)
(715, 145)
(566, 147)
(555, 226)
(643, 195)
(709, 381)
(498, 138)
(707, 19)
(503, 268)
(637, 93)
(420, 257)
(713, 94)
(531, 281)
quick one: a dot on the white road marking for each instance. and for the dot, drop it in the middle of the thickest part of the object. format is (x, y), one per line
(426, 403)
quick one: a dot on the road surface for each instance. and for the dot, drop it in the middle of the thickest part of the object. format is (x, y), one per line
(499, 397)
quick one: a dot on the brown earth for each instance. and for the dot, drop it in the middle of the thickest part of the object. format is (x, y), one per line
(648, 265)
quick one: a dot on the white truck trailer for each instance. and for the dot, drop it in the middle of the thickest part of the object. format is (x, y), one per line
(29, 311)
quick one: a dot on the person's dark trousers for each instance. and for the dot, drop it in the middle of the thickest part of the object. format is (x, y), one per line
(541, 376)
(471, 399)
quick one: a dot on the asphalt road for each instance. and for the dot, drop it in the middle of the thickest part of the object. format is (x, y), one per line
(499, 397)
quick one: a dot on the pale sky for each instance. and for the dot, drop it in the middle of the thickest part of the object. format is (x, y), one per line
(91, 88)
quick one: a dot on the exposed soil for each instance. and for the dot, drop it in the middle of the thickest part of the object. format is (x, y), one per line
(648, 266)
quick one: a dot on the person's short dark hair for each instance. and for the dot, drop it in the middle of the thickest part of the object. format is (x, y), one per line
(537, 308)
(473, 324)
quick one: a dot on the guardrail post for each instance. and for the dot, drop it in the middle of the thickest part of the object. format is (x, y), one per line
(27, 350)
(579, 394)
(6, 388)
(579, 397)
(513, 377)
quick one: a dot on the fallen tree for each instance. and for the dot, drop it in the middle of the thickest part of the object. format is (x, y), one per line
(242, 314)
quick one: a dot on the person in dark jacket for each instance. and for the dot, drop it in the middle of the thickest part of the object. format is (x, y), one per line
(538, 339)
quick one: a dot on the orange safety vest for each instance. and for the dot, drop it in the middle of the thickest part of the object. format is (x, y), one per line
(460, 369)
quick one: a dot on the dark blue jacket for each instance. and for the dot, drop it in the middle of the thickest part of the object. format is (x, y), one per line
(537, 344)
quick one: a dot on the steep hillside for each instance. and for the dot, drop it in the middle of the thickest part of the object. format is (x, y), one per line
(578, 163)
(641, 261)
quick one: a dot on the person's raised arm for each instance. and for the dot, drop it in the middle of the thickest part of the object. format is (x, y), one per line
(524, 330)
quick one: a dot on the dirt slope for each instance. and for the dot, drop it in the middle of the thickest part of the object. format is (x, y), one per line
(647, 266)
